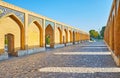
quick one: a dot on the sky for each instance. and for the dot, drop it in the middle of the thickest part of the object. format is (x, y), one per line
(83, 14)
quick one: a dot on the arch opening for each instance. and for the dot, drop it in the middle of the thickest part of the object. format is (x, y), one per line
(117, 33)
(71, 40)
(49, 36)
(9, 43)
(66, 36)
(76, 37)
(14, 30)
(73, 37)
(60, 35)
(35, 35)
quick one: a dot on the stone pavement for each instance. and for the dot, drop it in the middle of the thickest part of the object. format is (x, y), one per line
(88, 60)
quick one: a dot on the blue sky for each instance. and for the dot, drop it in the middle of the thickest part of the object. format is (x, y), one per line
(83, 14)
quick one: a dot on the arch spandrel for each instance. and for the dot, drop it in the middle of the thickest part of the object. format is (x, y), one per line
(32, 18)
(47, 23)
(60, 26)
(65, 28)
(5, 11)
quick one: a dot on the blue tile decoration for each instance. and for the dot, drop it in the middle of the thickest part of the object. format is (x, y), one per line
(47, 22)
(4, 11)
(32, 18)
(65, 27)
(58, 25)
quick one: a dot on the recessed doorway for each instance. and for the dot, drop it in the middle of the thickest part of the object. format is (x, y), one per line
(9, 43)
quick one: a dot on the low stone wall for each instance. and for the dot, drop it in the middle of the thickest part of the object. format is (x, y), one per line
(30, 51)
(79, 42)
(59, 45)
(116, 59)
(69, 44)
(76, 42)
(4, 56)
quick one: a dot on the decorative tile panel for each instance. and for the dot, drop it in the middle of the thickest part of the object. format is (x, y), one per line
(58, 25)
(74, 30)
(49, 22)
(70, 29)
(4, 11)
(32, 18)
(65, 27)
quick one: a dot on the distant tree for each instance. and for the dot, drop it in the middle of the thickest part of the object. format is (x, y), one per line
(91, 33)
(94, 34)
(102, 31)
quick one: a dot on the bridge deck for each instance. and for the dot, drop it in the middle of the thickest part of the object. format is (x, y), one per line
(88, 60)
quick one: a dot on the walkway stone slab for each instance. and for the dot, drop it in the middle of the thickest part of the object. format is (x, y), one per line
(86, 60)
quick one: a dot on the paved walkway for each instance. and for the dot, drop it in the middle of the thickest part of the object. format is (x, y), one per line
(91, 60)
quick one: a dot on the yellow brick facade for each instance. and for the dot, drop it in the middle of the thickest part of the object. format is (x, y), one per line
(112, 31)
(30, 29)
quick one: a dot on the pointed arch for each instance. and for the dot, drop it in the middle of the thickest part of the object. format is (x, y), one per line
(50, 25)
(117, 33)
(60, 35)
(37, 32)
(71, 39)
(49, 32)
(20, 25)
(66, 36)
(41, 32)
(76, 36)
(111, 32)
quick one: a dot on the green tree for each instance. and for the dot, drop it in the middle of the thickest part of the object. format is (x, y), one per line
(48, 39)
(94, 34)
(6, 41)
(102, 31)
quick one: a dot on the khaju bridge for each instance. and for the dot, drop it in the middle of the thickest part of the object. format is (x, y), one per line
(23, 32)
